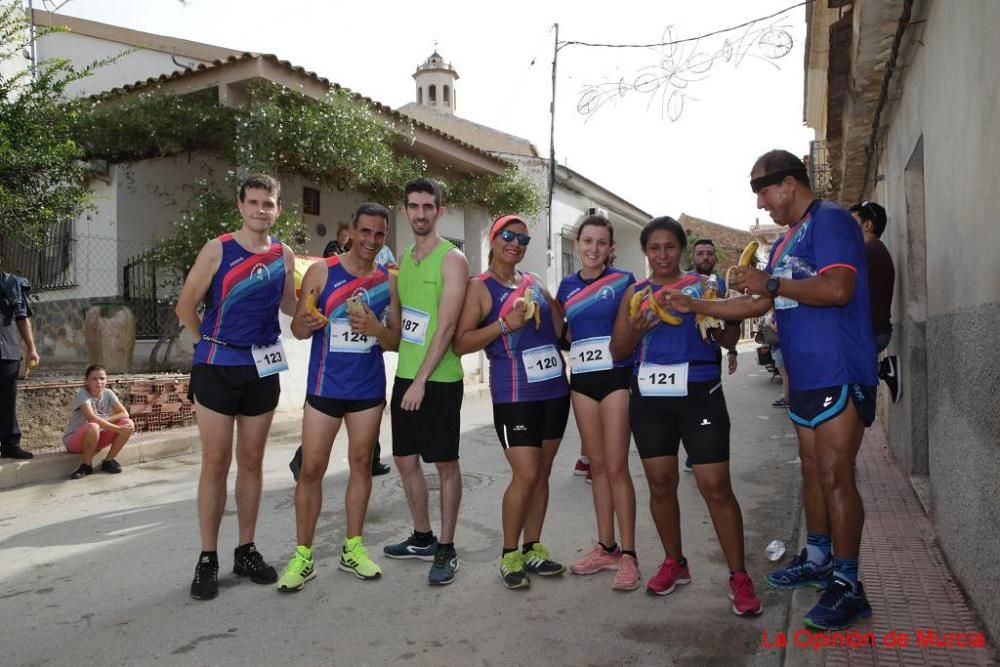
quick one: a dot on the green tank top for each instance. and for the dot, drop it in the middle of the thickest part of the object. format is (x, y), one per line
(420, 286)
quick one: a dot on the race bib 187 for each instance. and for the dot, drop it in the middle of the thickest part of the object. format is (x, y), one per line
(414, 325)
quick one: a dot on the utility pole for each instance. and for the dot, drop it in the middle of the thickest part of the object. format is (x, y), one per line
(552, 146)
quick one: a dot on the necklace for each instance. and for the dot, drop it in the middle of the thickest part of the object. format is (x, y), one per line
(503, 281)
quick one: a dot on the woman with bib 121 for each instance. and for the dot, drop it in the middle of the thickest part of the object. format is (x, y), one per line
(677, 396)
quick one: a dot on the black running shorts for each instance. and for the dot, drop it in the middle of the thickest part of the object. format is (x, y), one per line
(234, 390)
(528, 423)
(700, 420)
(433, 431)
(338, 407)
(812, 407)
(599, 384)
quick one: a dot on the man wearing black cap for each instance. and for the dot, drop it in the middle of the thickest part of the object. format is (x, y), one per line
(881, 278)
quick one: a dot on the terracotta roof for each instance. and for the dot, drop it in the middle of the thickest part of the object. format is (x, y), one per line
(377, 106)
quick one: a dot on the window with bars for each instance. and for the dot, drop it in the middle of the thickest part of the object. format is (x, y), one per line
(570, 262)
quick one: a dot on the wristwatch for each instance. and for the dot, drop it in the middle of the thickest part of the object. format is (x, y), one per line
(772, 285)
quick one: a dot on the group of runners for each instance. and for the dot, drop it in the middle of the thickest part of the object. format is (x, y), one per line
(645, 360)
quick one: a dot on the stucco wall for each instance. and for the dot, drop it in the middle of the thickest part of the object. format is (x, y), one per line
(946, 312)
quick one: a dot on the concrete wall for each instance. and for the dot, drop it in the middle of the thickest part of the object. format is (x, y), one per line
(83, 50)
(940, 165)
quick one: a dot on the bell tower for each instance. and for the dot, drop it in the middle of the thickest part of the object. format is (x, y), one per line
(436, 84)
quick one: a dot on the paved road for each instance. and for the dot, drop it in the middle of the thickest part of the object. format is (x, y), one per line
(96, 571)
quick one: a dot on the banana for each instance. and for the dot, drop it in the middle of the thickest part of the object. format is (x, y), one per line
(661, 312)
(646, 293)
(635, 303)
(311, 306)
(746, 259)
(531, 309)
(706, 322)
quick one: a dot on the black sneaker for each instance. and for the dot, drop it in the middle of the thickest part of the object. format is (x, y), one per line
(111, 466)
(15, 452)
(206, 579)
(247, 562)
(295, 465)
(891, 373)
(379, 468)
(82, 471)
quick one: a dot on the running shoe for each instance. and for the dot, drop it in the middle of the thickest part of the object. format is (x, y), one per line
(247, 562)
(780, 403)
(597, 559)
(581, 468)
(538, 561)
(354, 558)
(743, 595)
(801, 572)
(668, 576)
(412, 547)
(512, 571)
(839, 606)
(589, 479)
(298, 572)
(627, 577)
(206, 579)
(687, 465)
(444, 568)
(111, 466)
(891, 373)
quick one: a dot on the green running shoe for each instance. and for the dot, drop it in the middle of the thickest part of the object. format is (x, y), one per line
(538, 561)
(299, 571)
(512, 571)
(354, 558)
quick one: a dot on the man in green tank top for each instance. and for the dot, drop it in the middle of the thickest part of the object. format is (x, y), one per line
(427, 394)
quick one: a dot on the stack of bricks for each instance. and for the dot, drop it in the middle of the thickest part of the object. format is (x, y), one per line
(155, 405)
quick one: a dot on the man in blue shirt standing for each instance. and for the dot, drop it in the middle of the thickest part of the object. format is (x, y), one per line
(817, 282)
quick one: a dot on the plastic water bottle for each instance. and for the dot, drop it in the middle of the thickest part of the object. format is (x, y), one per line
(775, 550)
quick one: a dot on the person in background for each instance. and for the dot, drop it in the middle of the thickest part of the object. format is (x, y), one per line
(97, 420)
(881, 280)
(15, 320)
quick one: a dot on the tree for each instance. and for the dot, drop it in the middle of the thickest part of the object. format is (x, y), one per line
(42, 174)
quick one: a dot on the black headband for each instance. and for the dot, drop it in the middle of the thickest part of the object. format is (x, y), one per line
(761, 182)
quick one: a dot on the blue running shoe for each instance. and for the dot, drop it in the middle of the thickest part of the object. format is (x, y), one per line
(411, 547)
(444, 568)
(800, 572)
(838, 607)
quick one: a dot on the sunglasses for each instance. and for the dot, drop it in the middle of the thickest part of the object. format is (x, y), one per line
(508, 236)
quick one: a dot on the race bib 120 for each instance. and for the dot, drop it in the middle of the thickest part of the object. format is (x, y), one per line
(542, 363)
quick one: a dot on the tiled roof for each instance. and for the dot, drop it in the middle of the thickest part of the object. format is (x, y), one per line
(245, 57)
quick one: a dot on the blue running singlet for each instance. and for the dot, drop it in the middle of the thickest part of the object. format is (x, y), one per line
(244, 299)
(591, 307)
(343, 364)
(525, 365)
(666, 346)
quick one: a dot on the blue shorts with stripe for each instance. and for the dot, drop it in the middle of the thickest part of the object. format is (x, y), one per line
(813, 407)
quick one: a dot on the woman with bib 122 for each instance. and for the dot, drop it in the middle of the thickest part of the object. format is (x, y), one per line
(510, 314)
(677, 396)
(600, 394)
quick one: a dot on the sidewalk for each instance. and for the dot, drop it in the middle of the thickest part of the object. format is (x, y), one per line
(906, 577)
(54, 463)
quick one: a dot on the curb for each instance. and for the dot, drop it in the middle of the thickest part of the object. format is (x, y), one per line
(151, 446)
(148, 447)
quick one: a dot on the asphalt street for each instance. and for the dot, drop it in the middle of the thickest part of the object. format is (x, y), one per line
(96, 571)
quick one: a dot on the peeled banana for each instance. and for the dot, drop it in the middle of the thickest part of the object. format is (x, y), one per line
(646, 293)
(531, 309)
(746, 259)
(706, 322)
(311, 306)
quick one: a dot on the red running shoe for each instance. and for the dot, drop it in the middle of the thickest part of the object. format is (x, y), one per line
(741, 592)
(668, 576)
